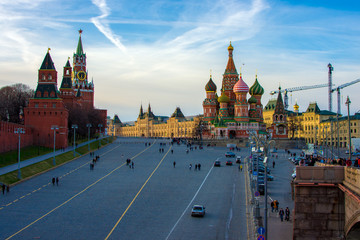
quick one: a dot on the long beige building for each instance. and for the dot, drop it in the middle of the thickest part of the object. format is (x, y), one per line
(149, 125)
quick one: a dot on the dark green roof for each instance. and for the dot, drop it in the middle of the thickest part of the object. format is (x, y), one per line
(178, 113)
(46, 91)
(66, 82)
(279, 108)
(78, 94)
(270, 105)
(67, 64)
(47, 63)
(116, 119)
(79, 49)
(353, 117)
(313, 107)
(326, 112)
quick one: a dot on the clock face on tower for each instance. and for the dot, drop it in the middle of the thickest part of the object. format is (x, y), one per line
(81, 75)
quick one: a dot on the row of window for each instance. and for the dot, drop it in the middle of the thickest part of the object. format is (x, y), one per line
(45, 105)
(50, 113)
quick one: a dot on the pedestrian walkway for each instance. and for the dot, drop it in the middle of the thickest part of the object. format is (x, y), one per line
(280, 190)
(41, 158)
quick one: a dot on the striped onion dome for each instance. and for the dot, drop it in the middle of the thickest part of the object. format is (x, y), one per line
(240, 86)
(256, 88)
(252, 100)
(223, 98)
(210, 86)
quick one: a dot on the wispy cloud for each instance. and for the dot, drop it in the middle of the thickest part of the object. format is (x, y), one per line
(103, 26)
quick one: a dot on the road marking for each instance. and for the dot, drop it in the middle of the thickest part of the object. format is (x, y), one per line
(228, 222)
(186, 209)
(147, 180)
(69, 173)
(32, 223)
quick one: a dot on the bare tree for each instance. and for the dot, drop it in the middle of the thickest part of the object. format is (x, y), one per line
(294, 125)
(13, 99)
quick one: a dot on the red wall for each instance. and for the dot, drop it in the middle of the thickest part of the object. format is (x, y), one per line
(9, 140)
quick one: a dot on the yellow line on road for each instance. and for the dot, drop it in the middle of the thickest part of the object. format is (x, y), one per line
(72, 196)
(117, 223)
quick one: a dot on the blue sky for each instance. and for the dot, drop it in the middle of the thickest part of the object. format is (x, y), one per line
(162, 51)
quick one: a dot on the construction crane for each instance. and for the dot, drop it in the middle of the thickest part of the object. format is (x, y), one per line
(337, 89)
(294, 89)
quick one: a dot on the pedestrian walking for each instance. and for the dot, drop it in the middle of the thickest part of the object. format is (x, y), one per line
(281, 214)
(273, 164)
(190, 166)
(276, 205)
(53, 181)
(7, 189)
(241, 168)
(3, 189)
(172, 151)
(196, 166)
(57, 181)
(174, 163)
(132, 165)
(199, 166)
(287, 214)
(272, 206)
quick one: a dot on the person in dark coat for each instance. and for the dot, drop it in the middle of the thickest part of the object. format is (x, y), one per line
(57, 181)
(53, 181)
(281, 214)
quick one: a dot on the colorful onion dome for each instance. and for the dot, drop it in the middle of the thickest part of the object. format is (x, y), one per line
(256, 88)
(210, 86)
(252, 100)
(230, 47)
(240, 86)
(223, 98)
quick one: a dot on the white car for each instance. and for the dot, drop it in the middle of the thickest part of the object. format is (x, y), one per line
(198, 210)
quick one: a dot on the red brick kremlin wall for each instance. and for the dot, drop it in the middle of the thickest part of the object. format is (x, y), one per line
(9, 140)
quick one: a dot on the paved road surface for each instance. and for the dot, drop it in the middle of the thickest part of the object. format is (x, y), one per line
(151, 201)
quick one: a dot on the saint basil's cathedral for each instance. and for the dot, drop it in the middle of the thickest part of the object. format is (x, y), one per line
(232, 115)
(50, 107)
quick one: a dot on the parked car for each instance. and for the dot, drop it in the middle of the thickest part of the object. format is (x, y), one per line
(229, 154)
(198, 211)
(238, 159)
(217, 163)
(229, 163)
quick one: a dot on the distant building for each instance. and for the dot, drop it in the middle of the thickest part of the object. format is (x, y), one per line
(150, 125)
(50, 107)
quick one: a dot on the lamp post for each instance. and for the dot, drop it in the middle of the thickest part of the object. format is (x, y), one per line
(88, 126)
(348, 108)
(54, 128)
(100, 126)
(19, 131)
(74, 126)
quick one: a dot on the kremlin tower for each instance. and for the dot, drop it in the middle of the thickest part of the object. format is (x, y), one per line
(232, 115)
(50, 107)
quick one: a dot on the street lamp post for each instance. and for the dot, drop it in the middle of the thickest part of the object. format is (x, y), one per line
(348, 108)
(74, 126)
(100, 126)
(54, 128)
(88, 126)
(19, 131)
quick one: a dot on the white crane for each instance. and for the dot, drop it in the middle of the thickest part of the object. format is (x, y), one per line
(337, 89)
(294, 89)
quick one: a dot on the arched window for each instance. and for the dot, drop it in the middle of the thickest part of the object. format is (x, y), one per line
(49, 77)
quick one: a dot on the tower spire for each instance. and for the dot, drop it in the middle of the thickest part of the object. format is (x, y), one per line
(79, 49)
